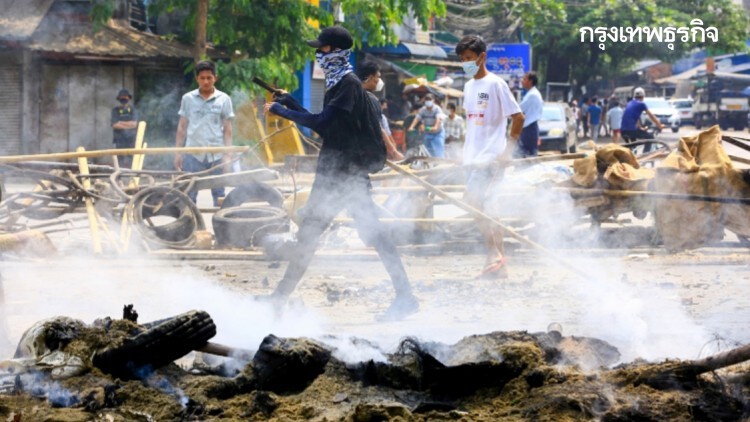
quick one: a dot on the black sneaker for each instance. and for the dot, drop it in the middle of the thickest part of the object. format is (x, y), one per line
(401, 307)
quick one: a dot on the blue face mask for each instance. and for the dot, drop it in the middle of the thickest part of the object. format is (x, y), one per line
(470, 68)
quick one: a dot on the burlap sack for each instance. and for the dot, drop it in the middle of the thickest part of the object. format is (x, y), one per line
(584, 171)
(699, 166)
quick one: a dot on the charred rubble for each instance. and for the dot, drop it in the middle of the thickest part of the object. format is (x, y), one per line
(120, 370)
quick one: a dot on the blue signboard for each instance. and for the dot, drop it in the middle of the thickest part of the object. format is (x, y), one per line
(510, 61)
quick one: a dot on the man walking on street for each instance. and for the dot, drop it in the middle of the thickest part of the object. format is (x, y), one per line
(205, 121)
(489, 104)
(614, 116)
(531, 106)
(124, 124)
(585, 115)
(594, 119)
(352, 148)
(369, 74)
(454, 133)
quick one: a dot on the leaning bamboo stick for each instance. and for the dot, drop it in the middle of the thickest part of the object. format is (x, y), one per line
(481, 214)
(736, 142)
(516, 162)
(739, 159)
(90, 211)
(125, 229)
(60, 156)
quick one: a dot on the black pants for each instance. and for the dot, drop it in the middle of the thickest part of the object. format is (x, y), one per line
(330, 194)
(125, 161)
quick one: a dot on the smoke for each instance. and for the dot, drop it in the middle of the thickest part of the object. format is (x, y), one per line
(89, 289)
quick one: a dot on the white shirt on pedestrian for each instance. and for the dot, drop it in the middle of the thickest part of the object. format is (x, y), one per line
(489, 104)
(532, 106)
(614, 117)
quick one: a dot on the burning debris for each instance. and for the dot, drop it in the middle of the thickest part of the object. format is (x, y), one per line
(496, 376)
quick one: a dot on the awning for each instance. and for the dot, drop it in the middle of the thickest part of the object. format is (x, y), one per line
(684, 76)
(439, 63)
(388, 65)
(21, 18)
(409, 50)
(425, 50)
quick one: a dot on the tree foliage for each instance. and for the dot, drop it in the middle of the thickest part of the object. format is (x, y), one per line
(561, 56)
(266, 38)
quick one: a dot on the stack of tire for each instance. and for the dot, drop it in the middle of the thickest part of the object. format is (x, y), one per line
(239, 225)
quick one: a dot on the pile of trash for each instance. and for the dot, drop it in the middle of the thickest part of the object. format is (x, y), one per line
(118, 370)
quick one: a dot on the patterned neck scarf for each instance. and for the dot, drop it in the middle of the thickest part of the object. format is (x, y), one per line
(335, 65)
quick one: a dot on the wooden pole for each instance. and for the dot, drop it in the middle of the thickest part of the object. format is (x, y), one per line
(480, 214)
(226, 351)
(580, 192)
(90, 211)
(516, 162)
(736, 142)
(61, 156)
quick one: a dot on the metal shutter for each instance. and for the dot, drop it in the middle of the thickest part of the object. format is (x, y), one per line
(317, 93)
(10, 110)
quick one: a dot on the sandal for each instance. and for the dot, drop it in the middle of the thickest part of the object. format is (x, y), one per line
(494, 270)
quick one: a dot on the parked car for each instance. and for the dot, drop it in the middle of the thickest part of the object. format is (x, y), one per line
(685, 107)
(662, 110)
(557, 128)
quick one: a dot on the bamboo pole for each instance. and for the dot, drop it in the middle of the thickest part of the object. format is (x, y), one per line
(736, 142)
(739, 159)
(480, 214)
(90, 211)
(580, 192)
(125, 229)
(60, 156)
(406, 189)
(516, 162)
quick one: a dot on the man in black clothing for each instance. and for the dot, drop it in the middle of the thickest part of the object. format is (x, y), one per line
(369, 74)
(352, 148)
(124, 124)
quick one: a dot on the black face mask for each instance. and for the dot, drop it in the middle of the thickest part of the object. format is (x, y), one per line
(124, 101)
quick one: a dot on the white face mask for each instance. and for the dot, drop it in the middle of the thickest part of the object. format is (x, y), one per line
(379, 87)
(470, 68)
(428, 103)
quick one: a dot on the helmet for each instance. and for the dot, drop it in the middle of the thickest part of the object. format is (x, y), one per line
(639, 92)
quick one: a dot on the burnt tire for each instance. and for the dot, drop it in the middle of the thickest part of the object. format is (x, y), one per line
(255, 192)
(161, 343)
(242, 227)
(166, 202)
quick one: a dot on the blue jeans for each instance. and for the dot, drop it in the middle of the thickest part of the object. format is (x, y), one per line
(435, 143)
(528, 143)
(595, 131)
(192, 165)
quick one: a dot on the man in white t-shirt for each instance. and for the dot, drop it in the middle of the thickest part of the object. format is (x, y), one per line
(489, 104)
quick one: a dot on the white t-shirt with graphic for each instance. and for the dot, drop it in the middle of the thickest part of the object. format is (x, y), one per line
(488, 103)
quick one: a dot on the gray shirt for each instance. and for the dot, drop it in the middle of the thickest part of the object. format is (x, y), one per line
(429, 116)
(206, 120)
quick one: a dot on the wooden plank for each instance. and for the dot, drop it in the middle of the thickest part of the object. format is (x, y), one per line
(82, 110)
(54, 109)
